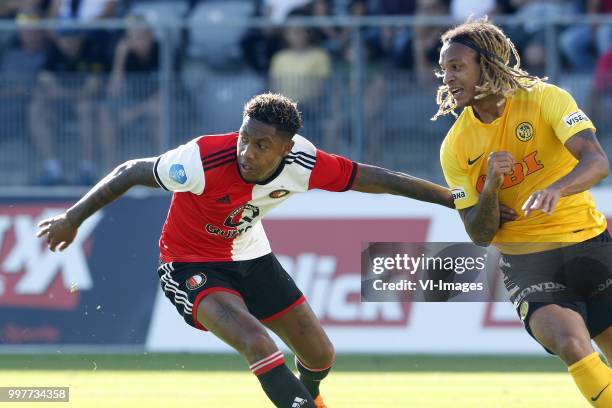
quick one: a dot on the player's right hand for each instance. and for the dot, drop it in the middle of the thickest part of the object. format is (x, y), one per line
(59, 231)
(498, 165)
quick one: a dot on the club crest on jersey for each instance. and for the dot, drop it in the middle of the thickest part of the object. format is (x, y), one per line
(196, 281)
(524, 131)
(177, 173)
(278, 193)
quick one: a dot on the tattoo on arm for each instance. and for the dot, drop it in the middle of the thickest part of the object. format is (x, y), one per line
(482, 220)
(377, 180)
(111, 187)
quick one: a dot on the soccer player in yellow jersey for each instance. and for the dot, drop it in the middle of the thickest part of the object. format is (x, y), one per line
(520, 159)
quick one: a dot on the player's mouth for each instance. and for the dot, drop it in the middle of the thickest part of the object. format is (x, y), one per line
(246, 168)
(456, 92)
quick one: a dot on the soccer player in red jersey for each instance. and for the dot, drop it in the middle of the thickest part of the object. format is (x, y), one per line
(216, 265)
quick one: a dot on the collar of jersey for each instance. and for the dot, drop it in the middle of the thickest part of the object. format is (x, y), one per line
(274, 175)
(474, 118)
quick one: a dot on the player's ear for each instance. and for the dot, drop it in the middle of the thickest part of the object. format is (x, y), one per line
(288, 147)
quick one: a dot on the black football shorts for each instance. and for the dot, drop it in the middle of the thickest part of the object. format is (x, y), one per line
(263, 284)
(578, 277)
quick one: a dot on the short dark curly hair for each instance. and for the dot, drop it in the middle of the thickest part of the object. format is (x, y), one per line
(276, 110)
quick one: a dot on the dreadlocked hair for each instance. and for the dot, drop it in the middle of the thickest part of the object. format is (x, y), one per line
(497, 76)
(276, 110)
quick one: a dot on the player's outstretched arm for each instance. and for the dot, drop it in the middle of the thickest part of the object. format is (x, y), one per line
(378, 180)
(61, 230)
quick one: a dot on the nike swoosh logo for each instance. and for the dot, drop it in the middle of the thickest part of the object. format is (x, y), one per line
(470, 162)
(595, 398)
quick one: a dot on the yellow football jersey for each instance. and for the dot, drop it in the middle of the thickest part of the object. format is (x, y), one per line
(533, 128)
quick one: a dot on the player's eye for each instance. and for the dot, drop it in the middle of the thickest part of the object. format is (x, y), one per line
(261, 147)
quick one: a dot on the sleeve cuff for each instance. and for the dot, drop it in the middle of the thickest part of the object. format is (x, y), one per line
(157, 178)
(352, 178)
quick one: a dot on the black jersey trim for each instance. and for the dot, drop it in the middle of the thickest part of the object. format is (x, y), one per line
(274, 175)
(297, 160)
(221, 163)
(304, 154)
(217, 153)
(157, 178)
(208, 161)
(304, 157)
(352, 178)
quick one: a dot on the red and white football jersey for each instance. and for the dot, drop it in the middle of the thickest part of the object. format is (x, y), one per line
(215, 215)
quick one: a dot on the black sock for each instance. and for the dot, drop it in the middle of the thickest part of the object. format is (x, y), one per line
(311, 379)
(282, 387)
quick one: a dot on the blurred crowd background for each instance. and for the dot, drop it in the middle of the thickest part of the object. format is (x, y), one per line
(87, 84)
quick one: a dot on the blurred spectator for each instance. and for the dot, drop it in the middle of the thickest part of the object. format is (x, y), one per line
(377, 41)
(396, 7)
(504, 7)
(86, 11)
(258, 45)
(601, 96)
(70, 74)
(24, 58)
(350, 91)
(133, 91)
(413, 47)
(329, 37)
(358, 8)
(20, 64)
(583, 43)
(83, 10)
(426, 43)
(532, 42)
(278, 10)
(300, 72)
(462, 9)
(217, 44)
(374, 89)
(397, 40)
(11, 8)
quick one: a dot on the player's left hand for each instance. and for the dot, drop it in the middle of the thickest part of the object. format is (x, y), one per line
(506, 214)
(543, 200)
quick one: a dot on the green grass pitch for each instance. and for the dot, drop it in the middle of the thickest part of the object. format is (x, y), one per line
(358, 381)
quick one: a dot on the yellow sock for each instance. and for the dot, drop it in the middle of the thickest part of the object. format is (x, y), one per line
(593, 379)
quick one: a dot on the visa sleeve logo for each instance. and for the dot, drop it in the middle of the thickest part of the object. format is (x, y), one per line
(575, 118)
(177, 173)
(458, 193)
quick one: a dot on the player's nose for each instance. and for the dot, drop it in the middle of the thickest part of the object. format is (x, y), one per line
(447, 78)
(248, 152)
